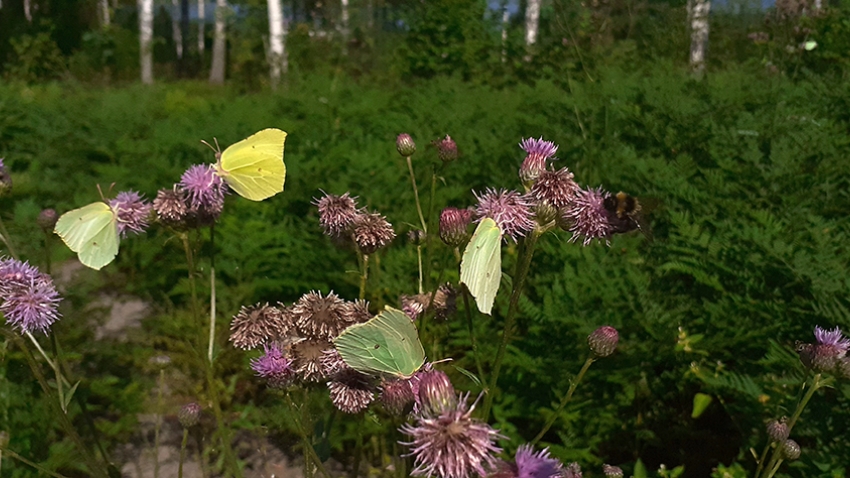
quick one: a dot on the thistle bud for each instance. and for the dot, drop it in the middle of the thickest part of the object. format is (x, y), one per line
(790, 450)
(189, 415)
(844, 368)
(454, 225)
(5, 179)
(46, 219)
(416, 237)
(446, 149)
(396, 395)
(405, 145)
(603, 341)
(435, 392)
(777, 430)
(612, 471)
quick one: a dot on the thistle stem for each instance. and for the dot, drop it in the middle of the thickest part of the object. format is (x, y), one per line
(419, 258)
(474, 342)
(32, 464)
(364, 274)
(4, 236)
(566, 399)
(522, 266)
(94, 467)
(309, 451)
(182, 452)
(158, 423)
(416, 195)
(212, 316)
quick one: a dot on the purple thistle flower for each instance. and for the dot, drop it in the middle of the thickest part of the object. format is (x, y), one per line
(451, 444)
(538, 152)
(257, 324)
(454, 225)
(204, 187)
(777, 430)
(171, 207)
(332, 363)
(405, 145)
(555, 188)
(189, 415)
(351, 392)
(273, 366)
(531, 465)
(371, 231)
(337, 213)
(572, 471)
(307, 359)
(414, 305)
(132, 211)
(29, 297)
(509, 209)
(587, 217)
(830, 349)
(446, 149)
(434, 393)
(603, 341)
(319, 317)
(46, 219)
(396, 395)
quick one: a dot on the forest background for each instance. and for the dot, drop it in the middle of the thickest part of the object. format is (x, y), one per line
(745, 152)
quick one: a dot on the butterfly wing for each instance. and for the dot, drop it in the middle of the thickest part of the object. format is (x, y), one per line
(254, 167)
(388, 344)
(481, 266)
(92, 232)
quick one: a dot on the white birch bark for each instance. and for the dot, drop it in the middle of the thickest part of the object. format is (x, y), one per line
(344, 15)
(505, 18)
(103, 12)
(201, 23)
(532, 21)
(818, 5)
(698, 11)
(219, 44)
(28, 10)
(146, 39)
(275, 41)
(176, 34)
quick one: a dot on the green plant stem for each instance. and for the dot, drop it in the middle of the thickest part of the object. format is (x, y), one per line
(428, 237)
(522, 267)
(364, 274)
(565, 400)
(419, 259)
(32, 464)
(158, 423)
(474, 342)
(182, 452)
(776, 456)
(212, 316)
(309, 451)
(416, 195)
(4, 236)
(94, 467)
(190, 263)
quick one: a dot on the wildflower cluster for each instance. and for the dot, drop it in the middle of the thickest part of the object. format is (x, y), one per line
(196, 201)
(343, 221)
(29, 298)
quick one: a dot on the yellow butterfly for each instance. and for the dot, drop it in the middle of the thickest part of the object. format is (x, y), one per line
(254, 167)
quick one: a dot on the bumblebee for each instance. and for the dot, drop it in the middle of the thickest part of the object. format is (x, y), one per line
(624, 213)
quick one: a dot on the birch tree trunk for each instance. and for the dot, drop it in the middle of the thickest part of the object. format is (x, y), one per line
(219, 44)
(532, 21)
(201, 23)
(698, 11)
(176, 34)
(28, 10)
(344, 21)
(103, 12)
(275, 41)
(146, 39)
(505, 18)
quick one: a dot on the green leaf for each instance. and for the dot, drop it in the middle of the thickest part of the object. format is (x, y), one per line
(640, 470)
(701, 402)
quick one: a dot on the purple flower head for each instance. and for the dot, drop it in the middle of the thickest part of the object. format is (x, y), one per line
(434, 393)
(452, 444)
(777, 430)
(536, 465)
(587, 217)
(189, 415)
(257, 324)
(371, 232)
(555, 188)
(414, 305)
(320, 317)
(538, 152)
(29, 299)
(351, 392)
(204, 187)
(405, 145)
(132, 211)
(46, 219)
(332, 363)
(446, 149)
(603, 341)
(171, 206)
(307, 359)
(509, 209)
(274, 366)
(396, 395)
(337, 213)
(830, 349)
(454, 225)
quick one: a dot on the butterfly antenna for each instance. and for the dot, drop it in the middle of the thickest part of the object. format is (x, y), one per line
(100, 191)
